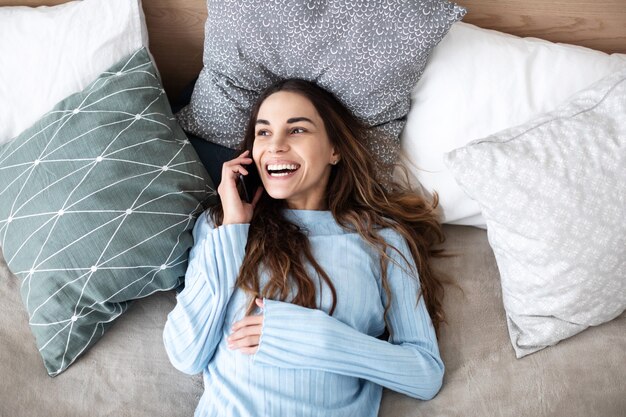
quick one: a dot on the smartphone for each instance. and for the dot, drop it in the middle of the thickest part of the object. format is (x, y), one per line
(248, 184)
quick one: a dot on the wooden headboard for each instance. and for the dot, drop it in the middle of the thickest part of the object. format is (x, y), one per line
(176, 27)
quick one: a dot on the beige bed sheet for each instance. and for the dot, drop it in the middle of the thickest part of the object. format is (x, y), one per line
(128, 374)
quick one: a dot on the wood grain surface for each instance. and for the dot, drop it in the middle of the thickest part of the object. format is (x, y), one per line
(597, 24)
(176, 27)
(176, 32)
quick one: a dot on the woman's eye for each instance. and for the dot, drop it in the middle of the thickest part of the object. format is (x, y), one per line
(297, 130)
(262, 133)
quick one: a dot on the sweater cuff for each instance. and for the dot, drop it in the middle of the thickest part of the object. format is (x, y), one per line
(284, 338)
(232, 238)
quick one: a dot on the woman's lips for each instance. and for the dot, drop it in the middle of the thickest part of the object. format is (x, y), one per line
(281, 169)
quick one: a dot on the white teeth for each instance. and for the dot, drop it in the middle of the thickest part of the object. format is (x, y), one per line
(279, 174)
(278, 167)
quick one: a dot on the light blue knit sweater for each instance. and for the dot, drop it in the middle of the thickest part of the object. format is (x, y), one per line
(308, 363)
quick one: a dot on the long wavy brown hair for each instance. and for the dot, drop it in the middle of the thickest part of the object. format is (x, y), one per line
(358, 203)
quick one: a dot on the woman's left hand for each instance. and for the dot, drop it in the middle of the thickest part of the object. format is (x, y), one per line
(246, 333)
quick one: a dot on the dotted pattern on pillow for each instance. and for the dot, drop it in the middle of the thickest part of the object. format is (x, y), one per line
(553, 194)
(368, 53)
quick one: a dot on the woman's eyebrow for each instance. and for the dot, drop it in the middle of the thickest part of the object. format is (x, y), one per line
(289, 121)
(300, 119)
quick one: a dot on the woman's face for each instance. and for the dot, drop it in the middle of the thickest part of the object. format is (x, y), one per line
(292, 151)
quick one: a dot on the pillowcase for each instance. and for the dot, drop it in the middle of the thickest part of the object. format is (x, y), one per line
(478, 82)
(48, 53)
(97, 202)
(553, 193)
(368, 53)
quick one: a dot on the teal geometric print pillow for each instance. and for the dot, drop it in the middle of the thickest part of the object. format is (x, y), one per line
(97, 203)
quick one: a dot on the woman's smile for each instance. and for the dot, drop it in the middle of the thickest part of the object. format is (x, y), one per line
(277, 170)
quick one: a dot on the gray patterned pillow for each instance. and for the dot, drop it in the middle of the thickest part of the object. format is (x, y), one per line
(97, 202)
(553, 193)
(369, 53)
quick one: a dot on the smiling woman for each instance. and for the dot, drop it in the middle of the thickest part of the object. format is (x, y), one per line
(322, 255)
(292, 151)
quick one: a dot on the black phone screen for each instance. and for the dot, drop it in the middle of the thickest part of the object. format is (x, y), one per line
(248, 184)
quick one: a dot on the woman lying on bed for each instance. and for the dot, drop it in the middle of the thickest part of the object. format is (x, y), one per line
(285, 297)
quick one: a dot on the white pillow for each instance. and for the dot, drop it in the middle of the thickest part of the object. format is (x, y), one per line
(553, 192)
(478, 82)
(49, 53)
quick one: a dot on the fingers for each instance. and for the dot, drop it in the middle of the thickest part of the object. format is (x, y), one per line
(249, 351)
(259, 302)
(247, 321)
(235, 166)
(235, 210)
(246, 339)
(246, 334)
(241, 159)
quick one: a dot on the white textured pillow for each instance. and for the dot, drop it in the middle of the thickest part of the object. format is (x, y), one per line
(478, 82)
(49, 53)
(553, 193)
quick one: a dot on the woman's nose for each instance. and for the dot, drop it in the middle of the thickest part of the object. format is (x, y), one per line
(278, 143)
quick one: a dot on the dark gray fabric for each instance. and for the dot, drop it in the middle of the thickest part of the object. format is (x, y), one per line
(369, 53)
(211, 154)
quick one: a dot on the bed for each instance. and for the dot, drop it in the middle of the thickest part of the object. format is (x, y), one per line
(127, 372)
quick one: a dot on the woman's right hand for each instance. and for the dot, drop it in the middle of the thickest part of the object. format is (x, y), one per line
(235, 209)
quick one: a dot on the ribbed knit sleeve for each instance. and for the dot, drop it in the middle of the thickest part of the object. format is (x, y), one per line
(301, 338)
(193, 327)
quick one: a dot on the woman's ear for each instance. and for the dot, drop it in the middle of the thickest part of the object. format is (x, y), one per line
(334, 157)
